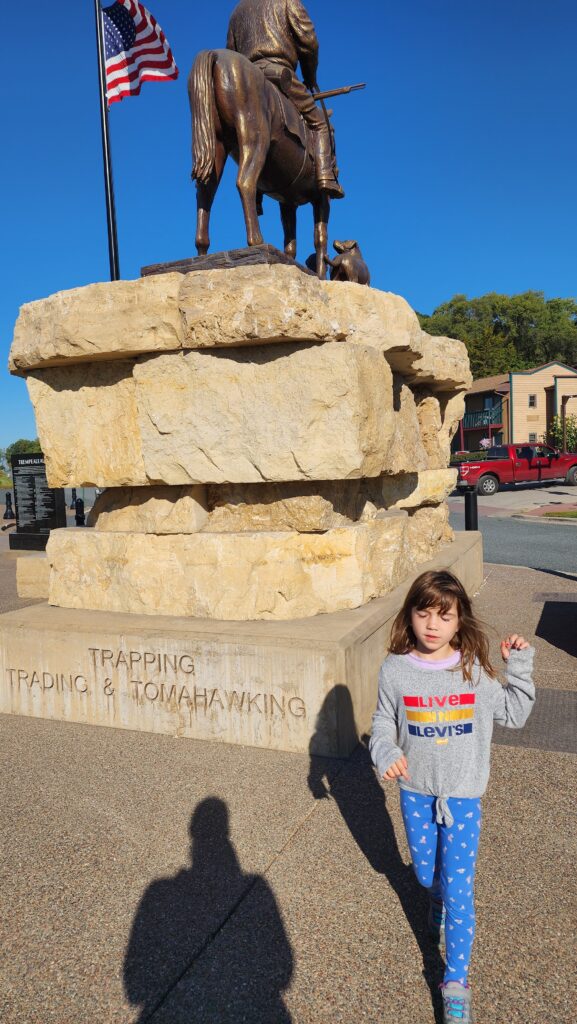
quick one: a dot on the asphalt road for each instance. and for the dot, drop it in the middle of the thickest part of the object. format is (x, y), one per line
(538, 545)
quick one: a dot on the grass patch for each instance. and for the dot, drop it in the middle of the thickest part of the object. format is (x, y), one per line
(5, 481)
(571, 514)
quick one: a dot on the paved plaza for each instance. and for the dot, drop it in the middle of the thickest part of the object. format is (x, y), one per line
(146, 878)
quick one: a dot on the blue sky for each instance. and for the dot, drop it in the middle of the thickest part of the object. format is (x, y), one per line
(459, 159)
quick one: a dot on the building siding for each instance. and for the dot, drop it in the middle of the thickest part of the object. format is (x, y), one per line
(527, 420)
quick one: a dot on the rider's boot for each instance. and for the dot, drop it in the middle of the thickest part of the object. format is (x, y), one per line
(326, 179)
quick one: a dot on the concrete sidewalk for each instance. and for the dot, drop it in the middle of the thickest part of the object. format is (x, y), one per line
(146, 878)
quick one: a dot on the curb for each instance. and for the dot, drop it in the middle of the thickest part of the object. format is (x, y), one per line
(541, 519)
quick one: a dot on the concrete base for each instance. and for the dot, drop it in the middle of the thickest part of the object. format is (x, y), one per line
(300, 685)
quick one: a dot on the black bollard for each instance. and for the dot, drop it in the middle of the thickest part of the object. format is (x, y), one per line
(73, 500)
(471, 511)
(9, 513)
(79, 517)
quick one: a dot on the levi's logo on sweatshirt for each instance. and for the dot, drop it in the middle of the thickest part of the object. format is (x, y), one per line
(439, 718)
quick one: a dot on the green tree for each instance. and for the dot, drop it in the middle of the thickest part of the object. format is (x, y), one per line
(555, 435)
(489, 354)
(508, 332)
(22, 447)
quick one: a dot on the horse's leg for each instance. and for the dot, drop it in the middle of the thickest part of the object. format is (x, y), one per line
(322, 209)
(253, 139)
(288, 216)
(205, 194)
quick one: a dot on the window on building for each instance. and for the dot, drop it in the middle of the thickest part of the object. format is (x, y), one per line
(532, 401)
(532, 438)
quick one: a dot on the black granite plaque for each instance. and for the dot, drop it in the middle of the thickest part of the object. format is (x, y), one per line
(39, 508)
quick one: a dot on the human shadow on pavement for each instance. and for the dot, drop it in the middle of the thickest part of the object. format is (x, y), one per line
(557, 625)
(195, 955)
(363, 805)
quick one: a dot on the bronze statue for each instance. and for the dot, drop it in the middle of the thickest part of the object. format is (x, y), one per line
(349, 264)
(246, 101)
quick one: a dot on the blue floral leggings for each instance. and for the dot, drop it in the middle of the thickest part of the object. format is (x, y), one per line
(444, 859)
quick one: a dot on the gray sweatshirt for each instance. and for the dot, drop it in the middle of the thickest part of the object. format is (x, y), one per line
(443, 725)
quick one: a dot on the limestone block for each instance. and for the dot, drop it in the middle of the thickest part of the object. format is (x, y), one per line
(229, 308)
(100, 321)
(380, 319)
(274, 304)
(88, 424)
(302, 507)
(453, 410)
(439, 417)
(150, 510)
(430, 425)
(32, 575)
(412, 490)
(260, 305)
(318, 412)
(256, 305)
(323, 505)
(228, 576)
(407, 453)
(428, 531)
(443, 365)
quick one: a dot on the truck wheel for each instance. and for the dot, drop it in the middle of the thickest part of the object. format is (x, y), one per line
(487, 485)
(571, 477)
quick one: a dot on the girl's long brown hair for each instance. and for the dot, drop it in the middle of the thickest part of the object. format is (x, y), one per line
(440, 590)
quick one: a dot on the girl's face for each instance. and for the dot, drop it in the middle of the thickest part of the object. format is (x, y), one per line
(434, 629)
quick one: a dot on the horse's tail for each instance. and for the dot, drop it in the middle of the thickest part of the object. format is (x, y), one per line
(201, 94)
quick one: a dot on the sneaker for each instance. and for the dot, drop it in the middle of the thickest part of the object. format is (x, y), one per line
(457, 1008)
(436, 920)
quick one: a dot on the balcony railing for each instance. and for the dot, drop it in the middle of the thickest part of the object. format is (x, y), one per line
(484, 417)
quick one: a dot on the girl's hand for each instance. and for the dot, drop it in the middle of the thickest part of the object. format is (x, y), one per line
(514, 642)
(397, 769)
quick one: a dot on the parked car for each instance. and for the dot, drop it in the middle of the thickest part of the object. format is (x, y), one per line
(517, 463)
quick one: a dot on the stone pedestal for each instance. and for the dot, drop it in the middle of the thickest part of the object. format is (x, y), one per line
(307, 685)
(271, 446)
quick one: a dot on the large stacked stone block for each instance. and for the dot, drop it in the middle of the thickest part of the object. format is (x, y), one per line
(271, 446)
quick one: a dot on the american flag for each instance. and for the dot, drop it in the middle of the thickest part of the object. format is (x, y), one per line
(135, 49)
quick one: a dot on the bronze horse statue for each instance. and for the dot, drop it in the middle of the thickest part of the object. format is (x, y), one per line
(236, 110)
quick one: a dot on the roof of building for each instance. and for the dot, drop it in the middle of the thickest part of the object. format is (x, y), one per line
(545, 366)
(500, 381)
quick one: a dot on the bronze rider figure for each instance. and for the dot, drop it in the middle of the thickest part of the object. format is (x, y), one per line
(277, 35)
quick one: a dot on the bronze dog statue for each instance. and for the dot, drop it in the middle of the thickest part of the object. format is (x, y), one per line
(349, 264)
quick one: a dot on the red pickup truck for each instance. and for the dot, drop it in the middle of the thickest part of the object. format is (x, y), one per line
(517, 463)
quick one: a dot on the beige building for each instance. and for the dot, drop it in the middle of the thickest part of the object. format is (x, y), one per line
(516, 407)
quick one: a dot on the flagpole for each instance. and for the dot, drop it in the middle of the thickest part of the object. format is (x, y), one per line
(106, 154)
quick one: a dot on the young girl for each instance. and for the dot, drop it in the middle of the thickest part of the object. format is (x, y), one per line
(438, 699)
